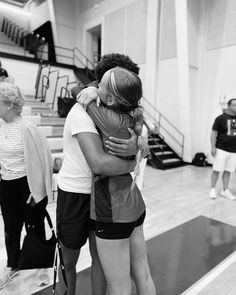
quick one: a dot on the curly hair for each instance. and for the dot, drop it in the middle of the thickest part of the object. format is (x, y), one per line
(11, 95)
(109, 61)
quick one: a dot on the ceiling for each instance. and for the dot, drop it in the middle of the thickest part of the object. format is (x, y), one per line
(18, 3)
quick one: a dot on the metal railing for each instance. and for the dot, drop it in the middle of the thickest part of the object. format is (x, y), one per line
(34, 44)
(164, 128)
(35, 47)
(51, 81)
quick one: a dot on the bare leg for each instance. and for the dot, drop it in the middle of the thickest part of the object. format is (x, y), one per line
(98, 279)
(139, 263)
(70, 257)
(214, 178)
(115, 259)
(225, 179)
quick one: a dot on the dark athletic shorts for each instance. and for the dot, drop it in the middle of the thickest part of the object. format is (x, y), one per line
(117, 230)
(73, 222)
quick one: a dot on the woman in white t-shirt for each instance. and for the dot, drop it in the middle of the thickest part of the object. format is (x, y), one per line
(74, 188)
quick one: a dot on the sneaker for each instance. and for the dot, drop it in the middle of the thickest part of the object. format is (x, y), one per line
(7, 275)
(227, 194)
(212, 193)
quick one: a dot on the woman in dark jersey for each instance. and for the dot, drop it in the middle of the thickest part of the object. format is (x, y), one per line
(117, 207)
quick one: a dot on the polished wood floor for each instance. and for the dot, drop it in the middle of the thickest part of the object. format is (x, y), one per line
(172, 197)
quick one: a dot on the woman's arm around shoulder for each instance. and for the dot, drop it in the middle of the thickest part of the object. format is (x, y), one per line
(98, 160)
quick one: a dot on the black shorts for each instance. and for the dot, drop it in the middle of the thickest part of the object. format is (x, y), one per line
(117, 230)
(73, 223)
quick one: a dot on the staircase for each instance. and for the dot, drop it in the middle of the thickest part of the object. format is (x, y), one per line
(84, 75)
(165, 141)
(16, 41)
(10, 47)
(162, 156)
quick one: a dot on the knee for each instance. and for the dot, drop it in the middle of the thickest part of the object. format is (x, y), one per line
(140, 276)
(69, 264)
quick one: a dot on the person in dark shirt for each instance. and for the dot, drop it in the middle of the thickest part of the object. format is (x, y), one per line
(3, 73)
(223, 149)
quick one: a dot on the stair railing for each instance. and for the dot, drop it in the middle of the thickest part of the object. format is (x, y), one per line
(170, 134)
(89, 73)
(13, 32)
(6, 27)
(17, 34)
(10, 30)
(37, 83)
(42, 82)
(67, 92)
(3, 24)
(56, 85)
(45, 86)
(20, 35)
(71, 83)
(75, 54)
(55, 88)
(85, 62)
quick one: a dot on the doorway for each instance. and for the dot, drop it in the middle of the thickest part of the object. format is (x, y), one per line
(94, 47)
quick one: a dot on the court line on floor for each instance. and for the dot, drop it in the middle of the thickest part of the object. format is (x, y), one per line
(211, 275)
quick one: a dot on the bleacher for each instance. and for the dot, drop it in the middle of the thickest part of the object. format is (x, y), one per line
(54, 80)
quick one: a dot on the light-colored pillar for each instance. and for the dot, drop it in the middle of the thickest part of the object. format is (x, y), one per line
(152, 50)
(181, 13)
(53, 21)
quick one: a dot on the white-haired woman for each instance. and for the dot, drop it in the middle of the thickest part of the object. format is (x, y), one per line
(26, 175)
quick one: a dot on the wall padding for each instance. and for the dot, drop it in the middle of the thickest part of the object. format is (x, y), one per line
(221, 23)
(168, 30)
(115, 31)
(136, 26)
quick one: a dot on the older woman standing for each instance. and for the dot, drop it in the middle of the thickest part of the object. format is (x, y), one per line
(26, 175)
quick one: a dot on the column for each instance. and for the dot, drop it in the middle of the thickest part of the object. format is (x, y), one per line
(181, 12)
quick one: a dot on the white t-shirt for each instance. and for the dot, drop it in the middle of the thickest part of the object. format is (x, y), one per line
(75, 175)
